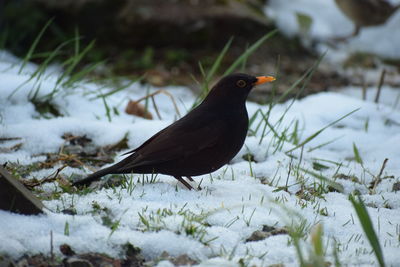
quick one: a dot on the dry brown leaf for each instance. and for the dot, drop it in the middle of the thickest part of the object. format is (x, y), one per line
(137, 109)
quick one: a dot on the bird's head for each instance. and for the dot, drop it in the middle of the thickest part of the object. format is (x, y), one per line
(236, 87)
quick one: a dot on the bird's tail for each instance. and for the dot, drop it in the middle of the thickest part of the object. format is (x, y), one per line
(120, 167)
(94, 176)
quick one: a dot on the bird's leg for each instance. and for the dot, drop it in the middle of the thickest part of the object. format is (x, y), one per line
(191, 179)
(356, 31)
(188, 186)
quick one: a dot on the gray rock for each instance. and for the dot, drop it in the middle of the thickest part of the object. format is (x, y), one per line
(183, 260)
(257, 236)
(266, 232)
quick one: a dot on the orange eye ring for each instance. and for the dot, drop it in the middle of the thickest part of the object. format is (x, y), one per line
(241, 83)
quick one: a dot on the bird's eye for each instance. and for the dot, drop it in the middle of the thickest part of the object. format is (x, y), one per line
(241, 83)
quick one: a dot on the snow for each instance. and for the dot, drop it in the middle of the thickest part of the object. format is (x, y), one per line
(235, 201)
(329, 22)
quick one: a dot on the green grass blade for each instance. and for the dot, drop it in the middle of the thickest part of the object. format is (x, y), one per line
(66, 228)
(316, 256)
(34, 44)
(119, 88)
(311, 137)
(324, 144)
(336, 254)
(49, 56)
(202, 71)
(272, 128)
(244, 62)
(249, 51)
(79, 75)
(76, 59)
(107, 108)
(218, 61)
(368, 228)
(357, 156)
(253, 117)
(207, 77)
(306, 77)
(338, 187)
(316, 238)
(77, 44)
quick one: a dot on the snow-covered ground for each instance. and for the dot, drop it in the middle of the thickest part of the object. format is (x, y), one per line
(210, 225)
(277, 189)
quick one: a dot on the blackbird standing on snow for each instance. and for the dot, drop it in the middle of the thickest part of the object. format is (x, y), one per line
(201, 142)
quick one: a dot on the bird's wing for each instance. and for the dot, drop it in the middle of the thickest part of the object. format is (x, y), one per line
(177, 141)
(147, 141)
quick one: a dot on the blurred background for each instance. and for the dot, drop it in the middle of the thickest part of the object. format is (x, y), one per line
(166, 39)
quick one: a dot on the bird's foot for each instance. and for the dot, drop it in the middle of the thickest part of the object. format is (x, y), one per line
(186, 184)
(197, 186)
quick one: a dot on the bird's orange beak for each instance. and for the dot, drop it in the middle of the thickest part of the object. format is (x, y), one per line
(264, 79)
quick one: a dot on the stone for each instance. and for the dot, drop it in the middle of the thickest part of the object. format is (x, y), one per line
(266, 232)
(184, 260)
(257, 236)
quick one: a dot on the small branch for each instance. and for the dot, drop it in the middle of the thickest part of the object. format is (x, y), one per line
(155, 107)
(161, 91)
(48, 179)
(378, 179)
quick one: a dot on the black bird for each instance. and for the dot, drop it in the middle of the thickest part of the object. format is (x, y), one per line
(201, 142)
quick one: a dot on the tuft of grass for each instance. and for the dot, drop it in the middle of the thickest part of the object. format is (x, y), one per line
(192, 225)
(207, 77)
(73, 71)
(114, 226)
(146, 179)
(238, 63)
(338, 187)
(281, 136)
(249, 51)
(319, 166)
(299, 229)
(31, 50)
(368, 228)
